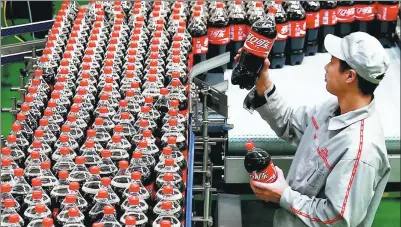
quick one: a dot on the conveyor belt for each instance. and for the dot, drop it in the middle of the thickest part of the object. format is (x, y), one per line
(304, 85)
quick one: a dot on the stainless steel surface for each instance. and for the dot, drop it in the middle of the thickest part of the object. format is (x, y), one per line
(13, 110)
(206, 206)
(25, 47)
(235, 172)
(229, 210)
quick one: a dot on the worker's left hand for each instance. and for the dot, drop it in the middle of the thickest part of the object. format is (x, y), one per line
(270, 192)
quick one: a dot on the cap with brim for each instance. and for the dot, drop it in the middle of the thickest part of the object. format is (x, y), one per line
(362, 52)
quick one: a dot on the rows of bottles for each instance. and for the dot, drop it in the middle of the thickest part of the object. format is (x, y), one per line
(301, 26)
(101, 137)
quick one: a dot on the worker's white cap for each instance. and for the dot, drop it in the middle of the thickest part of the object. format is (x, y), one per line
(362, 52)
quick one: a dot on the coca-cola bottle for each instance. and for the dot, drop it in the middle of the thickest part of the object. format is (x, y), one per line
(345, 17)
(92, 185)
(101, 200)
(20, 139)
(136, 189)
(5, 190)
(7, 173)
(312, 9)
(119, 131)
(170, 193)
(256, 48)
(64, 162)
(364, 16)
(122, 179)
(328, 20)
(36, 197)
(47, 177)
(136, 208)
(59, 192)
(173, 179)
(277, 53)
(200, 43)
(13, 151)
(13, 221)
(387, 14)
(168, 210)
(26, 130)
(21, 187)
(238, 26)
(218, 33)
(259, 165)
(109, 218)
(297, 31)
(9, 210)
(36, 212)
(107, 167)
(79, 173)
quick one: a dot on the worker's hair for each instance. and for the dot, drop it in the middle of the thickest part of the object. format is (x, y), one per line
(366, 87)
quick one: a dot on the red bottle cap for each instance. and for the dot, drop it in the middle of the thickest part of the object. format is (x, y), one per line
(99, 121)
(45, 165)
(144, 123)
(118, 128)
(172, 122)
(169, 162)
(64, 150)
(108, 210)
(6, 150)
(173, 112)
(21, 117)
(103, 109)
(5, 188)
(135, 84)
(167, 150)
(35, 154)
(43, 122)
(249, 146)
(55, 95)
(152, 78)
(122, 164)
(168, 177)
(70, 198)
(64, 139)
(37, 144)
(91, 133)
(5, 161)
(12, 138)
(94, 169)
(19, 172)
(130, 220)
(176, 59)
(104, 96)
(51, 103)
(167, 205)
(13, 218)
(71, 118)
(40, 208)
(147, 133)
(98, 224)
(39, 133)
(152, 70)
(165, 223)
(65, 128)
(133, 200)
(149, 99)
(37, 194)
(9, 203)
(74, 186)
(134, 187)
(80, 160)
(105, 153)
(136, 175)
(125, 115)
(47, 222)
(63, 174)
(145, 109)
(163, 91)
(103, 193)
(137, 154)
(90, 144)
(143, 144)
(36, 182)
(168, 189)
(116, 138)
(73, 212)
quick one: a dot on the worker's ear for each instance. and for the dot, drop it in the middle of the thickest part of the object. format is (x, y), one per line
(351, 76)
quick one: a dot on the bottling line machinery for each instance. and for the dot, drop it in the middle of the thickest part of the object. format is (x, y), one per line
(221, 126)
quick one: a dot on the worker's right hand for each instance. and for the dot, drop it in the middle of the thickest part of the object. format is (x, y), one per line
(263, 82)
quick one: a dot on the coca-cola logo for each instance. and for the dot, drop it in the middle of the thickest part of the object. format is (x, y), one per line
(218, 34)
(255, 41)
(284, 30)
(350, 12)
(365, 10)
(262, 177)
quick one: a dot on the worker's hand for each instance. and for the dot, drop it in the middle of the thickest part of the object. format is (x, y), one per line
(270, 192)
(263, 82)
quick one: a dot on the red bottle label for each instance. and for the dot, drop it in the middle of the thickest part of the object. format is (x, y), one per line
(200, 45)
(328, 17)
(218, 36)
(268, 175)
(238, 32)
(364, 12)
(247, 30)
(297, 29)
(387, 12)
(258, 45)
(190, 61)
(312, 20)
(282, 31)
(345, 14)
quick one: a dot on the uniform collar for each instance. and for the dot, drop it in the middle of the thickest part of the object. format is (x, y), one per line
(344, 120)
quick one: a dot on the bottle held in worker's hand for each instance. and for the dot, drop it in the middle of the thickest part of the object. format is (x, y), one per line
(255, 50)
(259, 165)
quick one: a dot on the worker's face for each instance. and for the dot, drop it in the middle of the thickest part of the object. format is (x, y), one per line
(335, 79)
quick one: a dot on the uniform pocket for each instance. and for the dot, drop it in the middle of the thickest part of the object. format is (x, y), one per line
(315, 175)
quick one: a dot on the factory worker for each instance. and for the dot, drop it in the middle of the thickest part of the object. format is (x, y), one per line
(340, 167)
